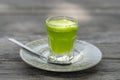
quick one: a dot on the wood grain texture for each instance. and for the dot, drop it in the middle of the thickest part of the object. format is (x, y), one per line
(99, 23)
(20, 70)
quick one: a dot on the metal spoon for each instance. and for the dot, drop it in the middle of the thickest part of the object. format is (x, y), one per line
(75, 59)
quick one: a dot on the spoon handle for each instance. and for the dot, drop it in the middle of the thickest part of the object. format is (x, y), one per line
(25, 47)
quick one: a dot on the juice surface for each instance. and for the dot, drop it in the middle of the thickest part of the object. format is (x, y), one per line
(62, 34)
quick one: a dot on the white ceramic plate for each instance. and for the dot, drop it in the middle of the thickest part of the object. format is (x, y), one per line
(90, 56)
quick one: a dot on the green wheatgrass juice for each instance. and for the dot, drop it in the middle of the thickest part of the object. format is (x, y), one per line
(62, 34)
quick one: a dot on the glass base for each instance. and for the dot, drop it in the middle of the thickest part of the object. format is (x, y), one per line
(60, 57)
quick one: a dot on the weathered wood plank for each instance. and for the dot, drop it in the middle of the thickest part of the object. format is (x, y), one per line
(106, 70)
(36, 24)
(10, 51)
(71, 7)
(33, 3)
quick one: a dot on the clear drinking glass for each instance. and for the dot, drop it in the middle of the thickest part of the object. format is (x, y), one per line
(62, 32)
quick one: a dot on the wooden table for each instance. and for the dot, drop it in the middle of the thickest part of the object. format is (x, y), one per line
(24, 20)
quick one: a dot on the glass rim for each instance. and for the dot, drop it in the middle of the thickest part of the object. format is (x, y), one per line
(62, 17)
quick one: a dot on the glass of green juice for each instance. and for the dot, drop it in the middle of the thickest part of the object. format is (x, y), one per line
(62, 32)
